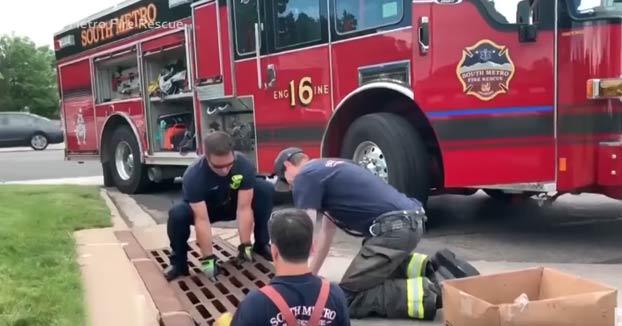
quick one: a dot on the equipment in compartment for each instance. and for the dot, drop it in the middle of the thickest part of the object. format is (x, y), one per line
(125, 82)
(171, 80)
(237, 123)
(175, 132)
(243, 133)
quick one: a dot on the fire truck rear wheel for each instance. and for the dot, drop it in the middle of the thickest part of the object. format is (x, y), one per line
(388, 146)
(129, 174)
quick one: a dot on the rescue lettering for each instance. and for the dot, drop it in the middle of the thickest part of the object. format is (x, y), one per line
(328, 316)
(137, 19)
(302, 92)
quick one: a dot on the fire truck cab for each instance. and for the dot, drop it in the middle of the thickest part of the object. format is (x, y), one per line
(515, 97)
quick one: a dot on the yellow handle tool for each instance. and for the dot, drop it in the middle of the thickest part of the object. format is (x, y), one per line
(224, 319)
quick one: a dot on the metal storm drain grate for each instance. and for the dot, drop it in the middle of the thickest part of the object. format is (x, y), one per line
(206, 300)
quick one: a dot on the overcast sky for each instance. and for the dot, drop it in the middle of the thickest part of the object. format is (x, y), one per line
(40, 19)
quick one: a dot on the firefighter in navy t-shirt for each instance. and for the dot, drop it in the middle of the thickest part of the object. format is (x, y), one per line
(294, 294)
(386, 278)
(220, 186)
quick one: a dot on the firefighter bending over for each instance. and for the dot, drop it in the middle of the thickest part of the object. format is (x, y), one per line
(386, 278)
(220, 186)
(294, 294)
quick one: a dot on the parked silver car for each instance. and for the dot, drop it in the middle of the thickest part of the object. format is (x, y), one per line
(27, 129)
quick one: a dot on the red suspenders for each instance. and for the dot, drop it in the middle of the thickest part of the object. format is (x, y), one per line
(280, 303)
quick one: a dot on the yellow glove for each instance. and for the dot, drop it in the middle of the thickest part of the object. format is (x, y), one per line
(224, 319)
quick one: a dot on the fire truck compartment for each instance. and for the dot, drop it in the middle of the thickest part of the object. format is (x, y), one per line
(170, 108)
(117, 77)
(170, 122)
(166, 74)
(235, 117)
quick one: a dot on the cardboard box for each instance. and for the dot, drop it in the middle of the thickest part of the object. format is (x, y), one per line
(555, 299)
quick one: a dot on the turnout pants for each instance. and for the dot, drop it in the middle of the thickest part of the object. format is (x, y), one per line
(386, 279)
(181, 217)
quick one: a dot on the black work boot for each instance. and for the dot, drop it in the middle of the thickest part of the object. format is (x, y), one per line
(263, 251)
(179, 266)
(458, 268)
(173, 272)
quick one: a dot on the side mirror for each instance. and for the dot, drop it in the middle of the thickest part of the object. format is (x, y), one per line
(527, 30)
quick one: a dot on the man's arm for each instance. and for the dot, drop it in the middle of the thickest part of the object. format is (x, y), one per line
(245, 215)
(202, 227)
(323, 240)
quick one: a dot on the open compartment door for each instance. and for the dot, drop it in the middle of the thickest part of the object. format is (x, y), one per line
(212, 58)
(170, 114)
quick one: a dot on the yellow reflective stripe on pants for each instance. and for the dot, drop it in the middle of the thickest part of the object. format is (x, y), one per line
(414, 293)
(415, 266)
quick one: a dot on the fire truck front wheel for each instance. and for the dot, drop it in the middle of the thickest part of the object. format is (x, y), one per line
(390, 147)
(129, 174)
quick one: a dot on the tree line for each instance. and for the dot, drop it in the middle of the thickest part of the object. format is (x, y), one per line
(27, 77)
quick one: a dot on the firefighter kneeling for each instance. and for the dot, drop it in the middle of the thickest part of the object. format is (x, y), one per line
(385, 278)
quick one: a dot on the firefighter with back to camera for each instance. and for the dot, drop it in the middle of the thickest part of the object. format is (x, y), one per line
(221, 185)
(294, 296)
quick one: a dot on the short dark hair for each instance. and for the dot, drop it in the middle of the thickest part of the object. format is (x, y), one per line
(298, 157)
(217, 143)
(291, 230)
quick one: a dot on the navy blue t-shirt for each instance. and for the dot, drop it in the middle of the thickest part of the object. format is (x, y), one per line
(200, 183)
(300, 292)
(349, 193)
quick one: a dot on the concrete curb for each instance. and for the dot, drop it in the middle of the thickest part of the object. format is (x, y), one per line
(132, 213)
(81, 181)
(171, 310)
(109, 281)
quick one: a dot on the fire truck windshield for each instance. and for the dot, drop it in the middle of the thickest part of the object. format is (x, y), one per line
(595, 9)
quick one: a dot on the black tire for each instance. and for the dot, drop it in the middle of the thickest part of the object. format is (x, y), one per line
(405, 153)
(39, 134)
(107, 173)
(138, 181)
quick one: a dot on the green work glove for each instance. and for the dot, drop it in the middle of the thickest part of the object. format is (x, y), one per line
(209, 267)
(245, 252)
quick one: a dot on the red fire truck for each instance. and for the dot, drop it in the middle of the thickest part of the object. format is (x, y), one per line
(518, 98)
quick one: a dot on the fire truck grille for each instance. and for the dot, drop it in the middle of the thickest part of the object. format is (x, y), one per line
(206, 300)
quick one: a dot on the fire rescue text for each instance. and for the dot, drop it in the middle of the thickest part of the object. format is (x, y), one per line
(486, 76)
(140, 18)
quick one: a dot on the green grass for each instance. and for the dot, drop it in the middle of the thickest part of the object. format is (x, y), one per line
(40, 281)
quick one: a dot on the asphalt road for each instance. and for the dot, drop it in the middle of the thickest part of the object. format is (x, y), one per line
(17, 164)
(574, 229)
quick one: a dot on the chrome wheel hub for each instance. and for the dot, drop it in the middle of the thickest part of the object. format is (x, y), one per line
(38, 141)
(124, 160)
(369, 156)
